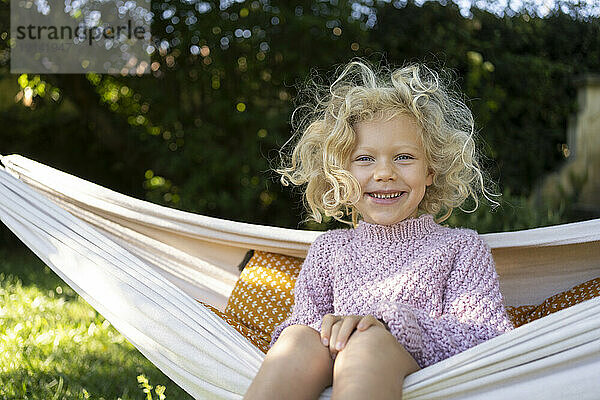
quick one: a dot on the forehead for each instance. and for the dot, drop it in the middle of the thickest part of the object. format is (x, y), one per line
(400, 130)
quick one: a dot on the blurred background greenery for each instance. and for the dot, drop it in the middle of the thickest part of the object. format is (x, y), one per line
(202, 131)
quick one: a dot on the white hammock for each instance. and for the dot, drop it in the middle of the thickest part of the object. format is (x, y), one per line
(142, 266)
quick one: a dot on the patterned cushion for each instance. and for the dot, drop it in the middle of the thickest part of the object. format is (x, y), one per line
(524, 314)
(248, 333)
(262, 297)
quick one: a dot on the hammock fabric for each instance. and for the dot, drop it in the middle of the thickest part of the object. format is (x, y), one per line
(143, 266)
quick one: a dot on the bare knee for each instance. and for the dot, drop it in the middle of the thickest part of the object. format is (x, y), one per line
(297, 333)
(296, 338)
(298, 367)
(301, 345)
(378, 345)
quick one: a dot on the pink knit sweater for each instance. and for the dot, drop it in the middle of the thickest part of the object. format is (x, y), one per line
(435, 287)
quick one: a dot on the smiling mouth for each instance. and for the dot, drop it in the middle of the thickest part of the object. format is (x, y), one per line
(387, 196)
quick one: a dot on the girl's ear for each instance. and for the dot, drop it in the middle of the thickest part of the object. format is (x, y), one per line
(429, 179)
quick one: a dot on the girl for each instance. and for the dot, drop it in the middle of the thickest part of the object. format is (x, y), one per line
(397, 292)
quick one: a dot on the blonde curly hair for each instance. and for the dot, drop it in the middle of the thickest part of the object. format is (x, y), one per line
(327, 138)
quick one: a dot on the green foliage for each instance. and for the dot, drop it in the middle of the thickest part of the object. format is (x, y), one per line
(202, 131)
(518, 70)
(55, 346)
(515, 212)
(147, 388)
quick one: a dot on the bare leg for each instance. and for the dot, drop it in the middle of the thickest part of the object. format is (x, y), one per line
(298, 366)
(372, 365)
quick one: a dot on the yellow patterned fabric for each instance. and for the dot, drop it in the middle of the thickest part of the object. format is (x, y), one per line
(262, 297)
(524, 314)
(248, 333)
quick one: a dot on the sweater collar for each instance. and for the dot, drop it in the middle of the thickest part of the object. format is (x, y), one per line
(409, 228)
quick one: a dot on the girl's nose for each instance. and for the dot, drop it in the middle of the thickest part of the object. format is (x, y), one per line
(384, 172)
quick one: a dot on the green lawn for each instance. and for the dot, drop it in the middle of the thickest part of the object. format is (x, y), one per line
(53, 345)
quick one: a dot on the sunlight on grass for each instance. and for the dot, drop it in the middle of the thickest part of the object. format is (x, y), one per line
(53, 345)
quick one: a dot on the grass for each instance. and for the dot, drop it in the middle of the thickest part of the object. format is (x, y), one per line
(53, 345)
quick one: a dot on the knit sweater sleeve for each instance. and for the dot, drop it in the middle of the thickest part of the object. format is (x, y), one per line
(313, 291)
(472, 310)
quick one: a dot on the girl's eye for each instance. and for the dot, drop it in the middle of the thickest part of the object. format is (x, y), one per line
(399, 157)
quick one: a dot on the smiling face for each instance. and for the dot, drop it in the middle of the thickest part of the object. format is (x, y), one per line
(388, 161)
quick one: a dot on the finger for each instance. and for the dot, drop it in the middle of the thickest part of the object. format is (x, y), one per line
(348, 326)
(366, 322)
(328, 321)
(332, 340)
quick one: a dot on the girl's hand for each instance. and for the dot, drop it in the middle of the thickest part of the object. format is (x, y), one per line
(336, 329)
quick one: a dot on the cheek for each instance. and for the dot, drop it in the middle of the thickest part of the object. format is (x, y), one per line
(361, 177)
(419, 176)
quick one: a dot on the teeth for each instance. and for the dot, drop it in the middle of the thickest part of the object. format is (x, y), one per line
(385, 196)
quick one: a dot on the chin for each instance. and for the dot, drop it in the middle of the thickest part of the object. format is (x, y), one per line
(385, 221)
(391, 220)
